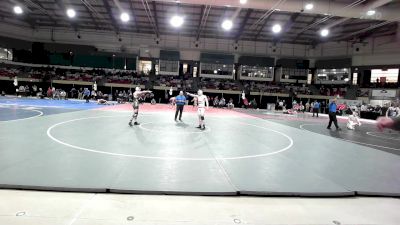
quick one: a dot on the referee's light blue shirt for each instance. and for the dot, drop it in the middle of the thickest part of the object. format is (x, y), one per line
(332, 107)
(180, 100)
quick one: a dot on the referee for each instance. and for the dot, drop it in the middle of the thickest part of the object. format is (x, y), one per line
(180, 103)
(332, 115)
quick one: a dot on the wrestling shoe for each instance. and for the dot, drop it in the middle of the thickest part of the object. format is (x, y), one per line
(130, 124)
(199, 127)
(203, 128)
(136, 123)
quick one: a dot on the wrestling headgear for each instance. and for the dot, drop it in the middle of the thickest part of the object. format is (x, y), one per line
(137, 88)
(200, 92)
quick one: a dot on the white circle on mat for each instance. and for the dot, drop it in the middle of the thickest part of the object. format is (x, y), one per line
(167, 158)
(356, 142)
(374, 134)
(40, 113)
(142, 126)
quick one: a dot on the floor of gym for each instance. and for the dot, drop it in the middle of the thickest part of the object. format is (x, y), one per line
(76, 146)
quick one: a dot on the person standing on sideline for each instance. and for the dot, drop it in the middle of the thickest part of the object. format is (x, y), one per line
(332, 115)
(86, 93)
(180, 101)
(315, 108)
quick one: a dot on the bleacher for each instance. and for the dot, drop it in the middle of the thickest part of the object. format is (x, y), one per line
(218, 84)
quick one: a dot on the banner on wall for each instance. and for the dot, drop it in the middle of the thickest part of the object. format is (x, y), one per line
(384, 93)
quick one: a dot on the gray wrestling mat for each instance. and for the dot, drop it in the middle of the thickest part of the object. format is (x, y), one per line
(96, 151)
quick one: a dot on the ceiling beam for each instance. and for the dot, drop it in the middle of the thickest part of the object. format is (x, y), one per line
(110, 15)
(258, 32)
(372, 32)
(63, 9)
(155, 18)
(47, 13)
(243, 25)
(302, 31)
(199, 27)
(88, 10)
(134, 16)
(205, 11)
(290, 23)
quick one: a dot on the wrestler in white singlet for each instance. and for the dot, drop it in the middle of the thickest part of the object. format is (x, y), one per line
(202, 103)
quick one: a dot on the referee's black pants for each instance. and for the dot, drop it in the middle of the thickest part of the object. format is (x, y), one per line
(332, 118)
(179, 109)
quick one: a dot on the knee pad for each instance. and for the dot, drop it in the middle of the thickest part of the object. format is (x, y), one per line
(202, 117)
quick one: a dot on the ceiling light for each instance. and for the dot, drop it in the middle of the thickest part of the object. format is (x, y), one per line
(176, 21)
(18, 10)
(124, 17)
(276, 28)
(324, 32)
(309, 6)
(227, 24)
(243, 2)
(71, 13)
(371, 12)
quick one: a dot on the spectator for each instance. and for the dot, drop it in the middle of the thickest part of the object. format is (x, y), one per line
(56, 94)
(153, 101)
(21, 89)
(308, 106)
(63, 95)
(216, 101)
(315, 109)
(253, 103)
(86, 94)
(34, 90)
(323, 107)
(93, 94)
(230, 104)
(222, 102)
(73, 92)
(80, 94)
(53, 91)
(49, 92)
(301, 107)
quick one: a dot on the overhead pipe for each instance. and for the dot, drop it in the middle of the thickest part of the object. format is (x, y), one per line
(150, 17)
(347, 7)
(203, 21)
(321, 7)
(371, 6)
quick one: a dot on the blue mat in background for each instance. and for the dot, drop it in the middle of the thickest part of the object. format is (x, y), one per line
(67, 104)
(14, 108)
